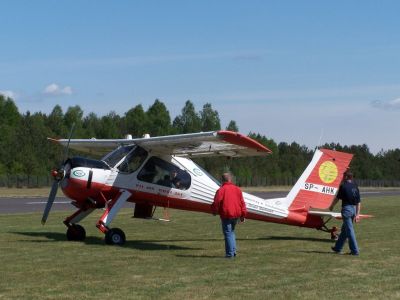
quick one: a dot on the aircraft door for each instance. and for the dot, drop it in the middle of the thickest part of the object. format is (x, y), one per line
(160, 172)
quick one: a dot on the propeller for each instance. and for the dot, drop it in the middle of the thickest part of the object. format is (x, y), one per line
(58, 175)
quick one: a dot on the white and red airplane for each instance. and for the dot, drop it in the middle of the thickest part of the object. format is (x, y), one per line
(158, 172)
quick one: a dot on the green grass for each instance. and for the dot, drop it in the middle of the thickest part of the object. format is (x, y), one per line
(183, 259)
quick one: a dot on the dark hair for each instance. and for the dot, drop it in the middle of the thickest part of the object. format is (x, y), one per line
(226, 177)
(348, 175)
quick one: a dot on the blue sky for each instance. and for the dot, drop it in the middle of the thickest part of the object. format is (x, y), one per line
(304, 71)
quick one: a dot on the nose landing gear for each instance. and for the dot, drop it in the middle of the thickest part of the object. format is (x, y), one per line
(76, 232)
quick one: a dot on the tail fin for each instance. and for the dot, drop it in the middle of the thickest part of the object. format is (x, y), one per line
(318, 184)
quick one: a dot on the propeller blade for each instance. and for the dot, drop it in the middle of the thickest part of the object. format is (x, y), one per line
(58, 176)
(69, 140)
(52, 196)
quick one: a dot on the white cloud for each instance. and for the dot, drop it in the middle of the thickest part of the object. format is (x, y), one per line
(9, 94)
(392, 104)
(56, 90)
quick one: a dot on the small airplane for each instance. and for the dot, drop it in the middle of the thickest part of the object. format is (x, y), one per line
(158, 172)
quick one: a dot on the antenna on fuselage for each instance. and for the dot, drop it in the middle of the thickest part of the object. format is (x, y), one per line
(320, 138)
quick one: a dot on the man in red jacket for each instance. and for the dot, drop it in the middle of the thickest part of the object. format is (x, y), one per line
(229, 204)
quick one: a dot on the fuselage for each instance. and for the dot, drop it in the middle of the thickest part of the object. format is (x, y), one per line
(164, 181)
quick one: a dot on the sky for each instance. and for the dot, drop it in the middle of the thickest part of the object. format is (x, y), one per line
(312, 72)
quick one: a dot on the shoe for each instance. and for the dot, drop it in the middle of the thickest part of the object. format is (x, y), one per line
(354, 253)
(335, 250)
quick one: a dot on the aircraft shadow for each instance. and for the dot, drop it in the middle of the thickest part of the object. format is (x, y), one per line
(318, 252)
(293, 238)
(91, 240)
(200, 256)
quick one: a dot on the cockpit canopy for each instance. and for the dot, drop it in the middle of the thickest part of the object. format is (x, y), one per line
(126, 158)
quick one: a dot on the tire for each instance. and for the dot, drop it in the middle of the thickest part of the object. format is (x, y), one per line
(76, 233)
(115, 236)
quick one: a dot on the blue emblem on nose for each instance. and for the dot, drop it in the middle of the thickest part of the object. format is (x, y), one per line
(78, 173)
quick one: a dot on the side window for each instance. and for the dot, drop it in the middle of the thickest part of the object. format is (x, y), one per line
(133, 160)
(163, 173)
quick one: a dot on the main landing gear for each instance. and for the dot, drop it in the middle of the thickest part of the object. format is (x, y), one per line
(113, 236)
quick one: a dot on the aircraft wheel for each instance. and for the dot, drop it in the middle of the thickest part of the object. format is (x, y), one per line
(334, 236)
(76, 233)
(334, 233)
(115, 236)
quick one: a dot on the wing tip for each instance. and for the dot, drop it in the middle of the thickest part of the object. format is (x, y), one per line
(242, 140)
(53, 140)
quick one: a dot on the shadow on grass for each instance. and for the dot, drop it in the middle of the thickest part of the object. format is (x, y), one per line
(344, 254)
(91, 240)
(201, 256)
(293, 238)
(317, 252)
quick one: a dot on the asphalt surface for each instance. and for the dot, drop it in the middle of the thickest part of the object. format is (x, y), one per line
(10, 205)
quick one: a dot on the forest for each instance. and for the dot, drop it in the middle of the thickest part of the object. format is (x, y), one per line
(27, 157)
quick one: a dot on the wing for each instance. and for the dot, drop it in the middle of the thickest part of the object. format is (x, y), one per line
(213, 143)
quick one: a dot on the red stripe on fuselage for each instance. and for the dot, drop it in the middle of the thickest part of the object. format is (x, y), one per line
(77, 191)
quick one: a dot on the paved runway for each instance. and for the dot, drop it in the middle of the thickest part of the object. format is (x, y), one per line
(37, 204)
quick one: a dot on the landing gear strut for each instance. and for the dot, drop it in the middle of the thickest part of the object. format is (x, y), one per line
(113, 236)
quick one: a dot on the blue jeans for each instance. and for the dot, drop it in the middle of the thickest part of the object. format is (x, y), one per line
(228, 228)
(347, 231)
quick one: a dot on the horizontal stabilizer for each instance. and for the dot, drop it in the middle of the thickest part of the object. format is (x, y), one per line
(332, 214)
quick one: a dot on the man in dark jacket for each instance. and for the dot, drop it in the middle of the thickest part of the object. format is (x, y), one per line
(351, 206)
(230, 205)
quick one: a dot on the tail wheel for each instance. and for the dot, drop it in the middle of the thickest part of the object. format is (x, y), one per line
(334, 233)
(115, 236)
(76, 232)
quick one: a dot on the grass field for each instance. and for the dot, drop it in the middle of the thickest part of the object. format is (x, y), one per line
(183, 259)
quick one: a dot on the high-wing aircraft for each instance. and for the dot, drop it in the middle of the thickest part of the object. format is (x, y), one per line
(158, 172)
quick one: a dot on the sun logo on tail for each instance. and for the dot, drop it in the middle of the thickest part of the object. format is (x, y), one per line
(328, 172)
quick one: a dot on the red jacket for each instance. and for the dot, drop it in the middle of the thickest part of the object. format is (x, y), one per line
(229, 202)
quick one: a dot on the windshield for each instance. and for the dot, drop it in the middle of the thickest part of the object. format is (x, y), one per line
(115, 157)
(133, 160)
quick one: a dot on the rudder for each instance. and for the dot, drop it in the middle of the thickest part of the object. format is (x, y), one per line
(320, 181)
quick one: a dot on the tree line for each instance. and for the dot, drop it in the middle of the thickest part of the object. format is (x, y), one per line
(24, 148)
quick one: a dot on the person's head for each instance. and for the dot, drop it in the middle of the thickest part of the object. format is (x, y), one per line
(174, 173)
(348, 175)
(226, 177)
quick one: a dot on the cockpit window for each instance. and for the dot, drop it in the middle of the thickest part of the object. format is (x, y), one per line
(115, 157)
(163, 173)
(133, 160)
